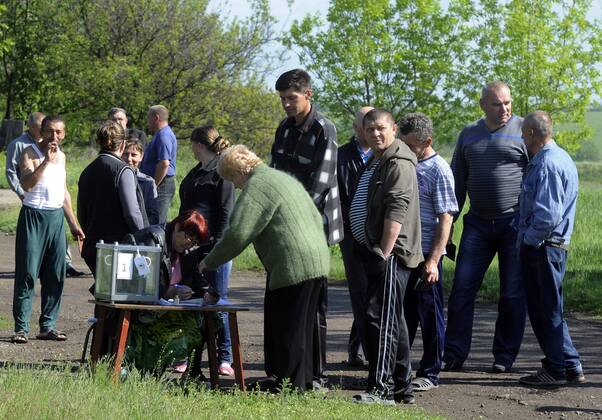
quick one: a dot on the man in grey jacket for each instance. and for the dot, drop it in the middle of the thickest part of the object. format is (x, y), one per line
(385, 223)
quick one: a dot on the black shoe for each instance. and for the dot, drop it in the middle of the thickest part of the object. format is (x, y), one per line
(355, 361)
(451, 366)
(405, 397)
(72, 272)
(542, 379)
(500, 368)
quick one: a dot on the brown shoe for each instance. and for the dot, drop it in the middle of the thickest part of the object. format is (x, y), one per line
(52, 335)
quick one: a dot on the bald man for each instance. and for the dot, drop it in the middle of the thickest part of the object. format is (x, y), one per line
(488, 165)
(351, 159)
(547, 215)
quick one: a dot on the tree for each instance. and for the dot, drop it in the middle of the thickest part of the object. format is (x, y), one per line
(399, 55)
(548, 52)
(136, 53)
(24, 75)
(419, 56)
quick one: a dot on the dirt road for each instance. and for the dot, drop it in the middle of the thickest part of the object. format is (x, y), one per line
(474, 393)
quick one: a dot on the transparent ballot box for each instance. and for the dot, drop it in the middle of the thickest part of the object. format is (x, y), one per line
(127, 273)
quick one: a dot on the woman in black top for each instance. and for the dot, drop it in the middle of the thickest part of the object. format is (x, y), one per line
(205, 191)
(109, 203)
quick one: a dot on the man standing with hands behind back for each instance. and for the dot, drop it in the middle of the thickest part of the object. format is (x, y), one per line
(159, 160)
(547, 215)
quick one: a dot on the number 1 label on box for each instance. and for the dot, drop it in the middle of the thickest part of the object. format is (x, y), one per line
(124, 266)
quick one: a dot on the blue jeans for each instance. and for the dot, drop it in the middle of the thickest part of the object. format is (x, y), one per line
(224, 346)
(425, 307)
(543, 270)
(481, 240)
(165, 193)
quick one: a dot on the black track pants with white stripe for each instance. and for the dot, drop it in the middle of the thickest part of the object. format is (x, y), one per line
(387, 339)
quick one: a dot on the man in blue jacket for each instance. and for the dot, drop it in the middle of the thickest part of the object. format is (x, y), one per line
(547, 214)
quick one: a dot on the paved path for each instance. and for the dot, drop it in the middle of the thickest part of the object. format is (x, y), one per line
(470, 394)
(8, 199)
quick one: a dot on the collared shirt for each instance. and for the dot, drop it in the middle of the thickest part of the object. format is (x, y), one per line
(548, 197)
(436, 187)
(364, 155)
(13, 155)
(309, 153)
(164, 146)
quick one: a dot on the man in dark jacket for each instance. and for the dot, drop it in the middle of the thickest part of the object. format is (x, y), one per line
(385, 224)
(351, 159)
(305, 146)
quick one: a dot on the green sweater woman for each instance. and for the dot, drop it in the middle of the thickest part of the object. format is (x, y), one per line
(275, 214)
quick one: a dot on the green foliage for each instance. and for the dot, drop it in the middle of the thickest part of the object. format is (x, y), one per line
(548, 52)
(397, 55)
(203, 67)
(420, 56)
(60, 395)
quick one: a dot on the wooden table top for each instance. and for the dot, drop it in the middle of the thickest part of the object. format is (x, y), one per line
(155, 307)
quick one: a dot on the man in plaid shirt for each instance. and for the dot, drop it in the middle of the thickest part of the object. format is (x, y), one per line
(305, 146)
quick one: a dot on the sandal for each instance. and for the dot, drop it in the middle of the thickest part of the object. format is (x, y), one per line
(19, 338)
(421, 384)
(52, 335)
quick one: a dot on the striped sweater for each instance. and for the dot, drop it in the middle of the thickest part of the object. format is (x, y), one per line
(489, 167)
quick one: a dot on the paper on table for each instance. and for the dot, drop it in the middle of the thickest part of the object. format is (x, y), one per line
(192, 302)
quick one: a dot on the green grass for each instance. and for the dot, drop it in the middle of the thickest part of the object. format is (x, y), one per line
(6, 322)
(28, 393)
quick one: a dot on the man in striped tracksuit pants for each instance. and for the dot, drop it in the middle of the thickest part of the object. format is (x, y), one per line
(385, 224)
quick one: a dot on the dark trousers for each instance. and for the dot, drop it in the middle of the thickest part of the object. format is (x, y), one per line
(543, 270)
(165, 193)
(289, 321)
(387, 340)
(481, 240)
(39, 252)
(358, 285)
(425, 307)
(319, 344)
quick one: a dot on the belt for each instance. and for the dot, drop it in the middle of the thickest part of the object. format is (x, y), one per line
(556, 244)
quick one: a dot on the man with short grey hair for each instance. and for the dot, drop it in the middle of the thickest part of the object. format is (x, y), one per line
(423, 303)
(159, 159)
(547, 215)
(14, 149)
(120, 116)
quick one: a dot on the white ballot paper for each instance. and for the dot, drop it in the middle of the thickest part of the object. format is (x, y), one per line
(124, 266)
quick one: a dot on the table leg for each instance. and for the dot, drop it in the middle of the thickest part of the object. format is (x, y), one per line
(122, 338)
(239, 373)
(99, 332)
(211, 349)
